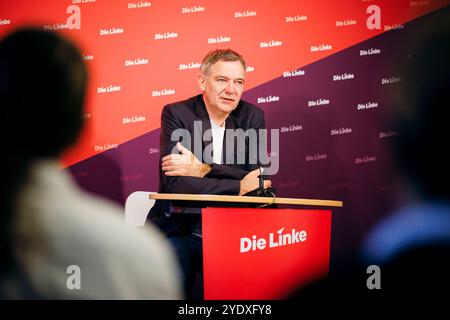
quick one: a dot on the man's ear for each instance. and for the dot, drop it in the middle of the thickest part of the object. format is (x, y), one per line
(201, 82)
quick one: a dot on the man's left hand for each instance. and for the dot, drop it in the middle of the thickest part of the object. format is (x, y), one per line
(184, 164)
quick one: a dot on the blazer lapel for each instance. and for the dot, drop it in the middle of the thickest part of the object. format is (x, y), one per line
(202, 126)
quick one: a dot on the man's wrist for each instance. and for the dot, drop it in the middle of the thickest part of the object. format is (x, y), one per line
(205, 169)
(241, 191)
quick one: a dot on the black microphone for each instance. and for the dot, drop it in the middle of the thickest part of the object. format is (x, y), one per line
(261, 180)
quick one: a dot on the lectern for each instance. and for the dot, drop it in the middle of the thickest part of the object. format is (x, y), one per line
(261, 253)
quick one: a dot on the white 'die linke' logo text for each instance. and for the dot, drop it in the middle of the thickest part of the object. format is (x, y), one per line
(110, 88)
(374, 20)
(166, 35)
(268, 99)
(390, 80)
(292, 127)
(256, 140)
(344, 76)
(296, 18)
(294, 73)
(5, 21)
(346, 22)
(74, 279)
(279, 240)
(322, 47)
(135, 62)
(318, 102)
(106, 146)
(315, 157)
(394, 26)
(219, 39)
(188, 66)
(134, 119)
(343, 130)
(271, 43)
(111, 31)
(83, 1)
(244, 14)
(369, 52)
(163, 92)
(193, 9)
(365, 159)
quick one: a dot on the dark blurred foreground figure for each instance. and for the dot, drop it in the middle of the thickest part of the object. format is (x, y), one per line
(414, 241)
(57, 242)
(412, 245)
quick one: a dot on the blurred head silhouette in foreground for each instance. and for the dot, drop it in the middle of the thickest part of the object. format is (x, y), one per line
(422, 122)
(42, 87)
(50, 229)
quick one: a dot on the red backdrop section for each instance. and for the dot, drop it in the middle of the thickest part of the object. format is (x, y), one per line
(144, 54)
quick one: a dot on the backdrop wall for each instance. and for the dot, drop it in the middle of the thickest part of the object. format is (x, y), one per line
(323, 71)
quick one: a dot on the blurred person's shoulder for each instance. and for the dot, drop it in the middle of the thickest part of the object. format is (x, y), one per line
(74, 228)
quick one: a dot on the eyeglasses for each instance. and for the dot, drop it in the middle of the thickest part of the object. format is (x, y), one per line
(223, 82)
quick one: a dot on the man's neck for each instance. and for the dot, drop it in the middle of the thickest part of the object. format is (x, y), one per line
(217, 118)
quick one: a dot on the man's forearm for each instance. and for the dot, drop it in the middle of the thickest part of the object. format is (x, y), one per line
(196, 185)
(222, 171)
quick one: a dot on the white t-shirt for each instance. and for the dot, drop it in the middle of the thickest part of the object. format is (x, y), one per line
(217, 135)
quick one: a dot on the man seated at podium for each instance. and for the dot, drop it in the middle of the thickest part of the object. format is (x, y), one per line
(209, 144)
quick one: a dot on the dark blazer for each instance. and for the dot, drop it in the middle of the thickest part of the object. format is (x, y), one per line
(224, 179)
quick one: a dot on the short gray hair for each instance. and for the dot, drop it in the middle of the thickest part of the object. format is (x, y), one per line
(220, 55)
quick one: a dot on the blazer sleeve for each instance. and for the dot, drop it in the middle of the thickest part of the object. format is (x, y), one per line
(224, 171)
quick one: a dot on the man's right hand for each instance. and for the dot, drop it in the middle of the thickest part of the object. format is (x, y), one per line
(251, 182)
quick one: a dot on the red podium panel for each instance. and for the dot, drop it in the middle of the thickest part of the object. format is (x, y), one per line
(263, 253)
